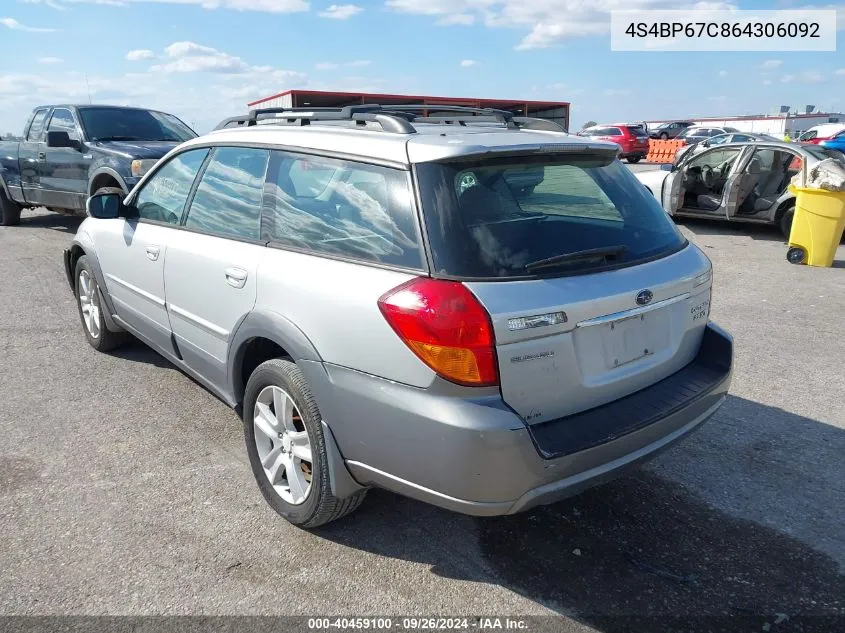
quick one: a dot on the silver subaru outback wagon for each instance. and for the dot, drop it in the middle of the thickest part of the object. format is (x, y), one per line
(387, 303)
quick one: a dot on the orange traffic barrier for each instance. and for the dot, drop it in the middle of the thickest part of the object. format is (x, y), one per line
(663, 151)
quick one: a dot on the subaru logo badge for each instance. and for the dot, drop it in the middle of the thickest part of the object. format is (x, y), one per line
(644, 297)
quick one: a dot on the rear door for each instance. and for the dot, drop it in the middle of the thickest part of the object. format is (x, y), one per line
(64, 173)
(211, 266)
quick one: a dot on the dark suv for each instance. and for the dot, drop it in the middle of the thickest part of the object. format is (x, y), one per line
(670, 129)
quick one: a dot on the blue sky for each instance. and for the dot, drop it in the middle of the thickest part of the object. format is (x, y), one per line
(204, 59)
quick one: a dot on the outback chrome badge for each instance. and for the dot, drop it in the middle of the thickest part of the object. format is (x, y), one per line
(644, 297)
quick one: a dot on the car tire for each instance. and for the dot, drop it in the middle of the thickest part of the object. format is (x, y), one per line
(10, 211)
(274, 383)
(664, 136)
(634, 159)
(786, 222)
(89, 304)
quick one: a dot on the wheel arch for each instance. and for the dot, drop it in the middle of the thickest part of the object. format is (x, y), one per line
(105, 177)
(260, 336)
(71, 256)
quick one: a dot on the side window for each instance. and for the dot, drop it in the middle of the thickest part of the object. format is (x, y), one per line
(37, 125)
(62, 121)
(364, 212)
(766, 159)
(163, 196)
(717, 159)
(614, 131)
(310, 178)
(228, 199)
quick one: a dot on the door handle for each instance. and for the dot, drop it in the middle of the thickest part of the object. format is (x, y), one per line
(152, 252)
(236, 277)
(42, 156)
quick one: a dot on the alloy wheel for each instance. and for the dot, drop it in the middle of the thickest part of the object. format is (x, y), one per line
(89, 302)
(283, 445)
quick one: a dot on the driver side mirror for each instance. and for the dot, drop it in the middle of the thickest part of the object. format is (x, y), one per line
(60, 138)
(705, 143)
(667, 167)
(105, 206)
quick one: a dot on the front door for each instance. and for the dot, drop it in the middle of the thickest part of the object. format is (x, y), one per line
(211, 267)
(132, 251)
(31, 155)
(64, 174)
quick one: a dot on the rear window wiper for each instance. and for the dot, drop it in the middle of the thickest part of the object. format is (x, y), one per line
(604, 253)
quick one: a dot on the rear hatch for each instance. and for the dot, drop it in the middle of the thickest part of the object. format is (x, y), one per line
(592, 291)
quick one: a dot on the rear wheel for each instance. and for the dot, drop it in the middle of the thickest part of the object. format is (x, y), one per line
(10, 211)
(796, 255)
(286, 447)
(634, 159)
(664, 136)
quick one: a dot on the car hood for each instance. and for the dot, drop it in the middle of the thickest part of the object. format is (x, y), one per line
(136, 149)
(653, 179)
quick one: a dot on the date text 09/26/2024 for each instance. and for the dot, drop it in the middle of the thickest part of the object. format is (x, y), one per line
(419, 623)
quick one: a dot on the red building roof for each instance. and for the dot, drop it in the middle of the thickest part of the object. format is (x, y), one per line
(322, 97)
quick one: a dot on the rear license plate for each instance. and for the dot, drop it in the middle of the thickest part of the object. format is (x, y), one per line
(627, 340)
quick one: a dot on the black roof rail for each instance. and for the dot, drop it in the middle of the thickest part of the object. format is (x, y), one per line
(534, 123)
(398, 119)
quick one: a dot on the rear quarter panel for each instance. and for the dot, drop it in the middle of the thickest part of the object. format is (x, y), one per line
(335, 304)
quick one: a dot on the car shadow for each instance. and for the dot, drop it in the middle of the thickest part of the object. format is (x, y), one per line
(44, 219)
(764, 232)
(645, 553)
(139, 352)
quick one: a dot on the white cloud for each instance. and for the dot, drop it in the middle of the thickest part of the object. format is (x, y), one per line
(807, 77)
(358, 63)
(468, 63)
(50, 60)
(771, 64)
(53, 4)
(720, 98)
(547, 21)
(462, 19)
(267, 6)
(17, 26)
(190, 57)
(841, 71)
(767, 82)
(340, 11)
(614, 92)
(139, 54)
(723, 73)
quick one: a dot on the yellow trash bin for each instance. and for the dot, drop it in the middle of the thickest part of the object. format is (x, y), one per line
(817, 226)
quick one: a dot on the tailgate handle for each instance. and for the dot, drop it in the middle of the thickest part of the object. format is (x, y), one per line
(236, 277)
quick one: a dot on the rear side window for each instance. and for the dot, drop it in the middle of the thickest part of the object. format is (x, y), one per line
(163, 196)
(37, 125)
(483, 222)
(614, 131)
(228, 198)
(346, 209)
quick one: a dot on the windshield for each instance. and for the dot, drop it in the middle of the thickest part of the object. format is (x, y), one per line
(129, 124)
(500, 218)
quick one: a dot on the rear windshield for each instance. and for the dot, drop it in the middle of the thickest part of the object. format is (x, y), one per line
(540, 215)
(637, 131)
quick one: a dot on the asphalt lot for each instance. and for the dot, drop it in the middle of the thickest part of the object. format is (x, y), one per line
(124, 487)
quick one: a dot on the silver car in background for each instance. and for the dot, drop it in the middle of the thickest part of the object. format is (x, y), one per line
(741, 182)
(385, 304)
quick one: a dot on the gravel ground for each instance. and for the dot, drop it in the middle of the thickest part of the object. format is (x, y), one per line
(125, 490)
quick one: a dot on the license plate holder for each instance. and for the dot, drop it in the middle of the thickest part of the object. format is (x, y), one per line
(627, 340)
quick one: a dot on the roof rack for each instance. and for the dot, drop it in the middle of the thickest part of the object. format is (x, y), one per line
(392, 118)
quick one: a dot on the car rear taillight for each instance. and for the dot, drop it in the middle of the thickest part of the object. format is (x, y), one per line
(447, 327)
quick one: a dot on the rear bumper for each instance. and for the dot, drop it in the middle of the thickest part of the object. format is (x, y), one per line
(477, 457)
